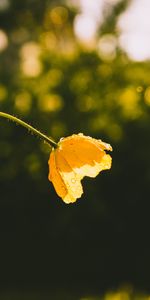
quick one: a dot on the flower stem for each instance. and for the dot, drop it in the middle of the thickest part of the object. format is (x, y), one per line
(30, 128)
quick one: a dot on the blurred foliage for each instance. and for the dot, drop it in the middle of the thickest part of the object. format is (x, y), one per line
(60, 86)
(120, 294)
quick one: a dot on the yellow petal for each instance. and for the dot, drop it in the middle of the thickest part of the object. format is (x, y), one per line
(76, 156)
(86, 155)
(72, 181)
(55, 177)
(65, 181)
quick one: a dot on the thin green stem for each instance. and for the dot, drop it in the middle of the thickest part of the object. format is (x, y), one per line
(30, 128)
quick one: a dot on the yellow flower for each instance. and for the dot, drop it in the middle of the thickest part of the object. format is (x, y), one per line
(75, 157)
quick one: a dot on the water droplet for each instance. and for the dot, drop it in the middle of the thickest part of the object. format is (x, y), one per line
(73, 180)
(61, 139)
(80, 134)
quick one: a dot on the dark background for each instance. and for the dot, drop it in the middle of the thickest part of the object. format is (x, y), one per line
(101, 243)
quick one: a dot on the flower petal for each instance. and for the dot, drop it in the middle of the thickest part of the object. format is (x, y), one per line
(75, 157)
(72, 181)
(86, 155)
(55, 177)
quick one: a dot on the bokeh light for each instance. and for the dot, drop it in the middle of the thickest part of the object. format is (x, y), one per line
(4, 5)
(30, 62)
(3, 40)
(134, 25)
(87, 22)
(23, 102)
(107, 47)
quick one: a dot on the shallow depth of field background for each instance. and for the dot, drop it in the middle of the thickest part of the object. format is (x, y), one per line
(68, 67)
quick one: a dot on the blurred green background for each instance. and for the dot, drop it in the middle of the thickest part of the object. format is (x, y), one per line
(99, 247)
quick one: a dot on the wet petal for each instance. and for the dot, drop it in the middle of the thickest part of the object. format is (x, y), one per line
(72, 181)
(55, 177)
(76, 156)
(86, 155)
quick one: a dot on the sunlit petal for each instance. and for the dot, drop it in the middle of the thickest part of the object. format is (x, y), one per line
(77, 156)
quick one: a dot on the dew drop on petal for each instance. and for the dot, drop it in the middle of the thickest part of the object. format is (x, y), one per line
(73, 180)
(80, 134)
(61, 139)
